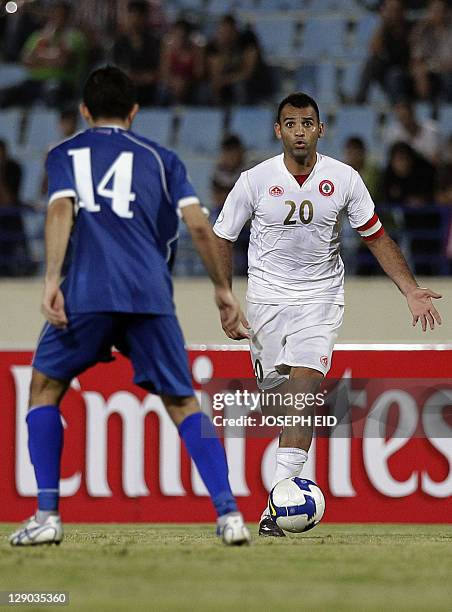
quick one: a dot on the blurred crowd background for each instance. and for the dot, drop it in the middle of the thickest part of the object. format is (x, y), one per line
(209, 75)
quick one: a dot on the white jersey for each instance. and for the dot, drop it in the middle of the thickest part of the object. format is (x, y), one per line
(293, 255)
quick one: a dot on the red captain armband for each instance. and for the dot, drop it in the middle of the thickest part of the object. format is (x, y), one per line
(372, 229)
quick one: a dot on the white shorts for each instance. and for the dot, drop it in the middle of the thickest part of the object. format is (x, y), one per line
(288, 335)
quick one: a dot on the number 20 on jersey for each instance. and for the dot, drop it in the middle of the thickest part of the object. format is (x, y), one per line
(305, 212)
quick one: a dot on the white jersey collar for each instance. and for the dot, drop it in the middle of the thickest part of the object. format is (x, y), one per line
(311, 174)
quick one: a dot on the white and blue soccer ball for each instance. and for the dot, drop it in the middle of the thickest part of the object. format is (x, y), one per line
(296, 504)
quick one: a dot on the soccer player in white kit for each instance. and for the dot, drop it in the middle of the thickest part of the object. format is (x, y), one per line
(295, 297)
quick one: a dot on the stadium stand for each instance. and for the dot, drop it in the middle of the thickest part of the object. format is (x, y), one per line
(200, 170)
(42, 131)
(200, 130)
(255, 126)
(318, 46)
(155, 124)
(10, 124)
(277, 37)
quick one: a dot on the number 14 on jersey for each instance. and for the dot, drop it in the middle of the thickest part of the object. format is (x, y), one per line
(120, 173)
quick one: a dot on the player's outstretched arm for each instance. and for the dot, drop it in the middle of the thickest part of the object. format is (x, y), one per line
(59, 222)
(419, 300)
(232, 318)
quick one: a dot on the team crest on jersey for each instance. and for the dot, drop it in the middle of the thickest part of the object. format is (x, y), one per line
(276, 191)
(326, 188)
(324, 360)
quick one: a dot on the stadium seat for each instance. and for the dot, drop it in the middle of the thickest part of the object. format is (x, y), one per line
(33, 174)
(322, 38)
(12, 74)
(445, 119)
(306, 79)
(194, 5)
(201, 130)
(353, 121)
(216, 7)
(42, 132)
(319, 81)
(423, 110)
(276, 36)
(351, 74)
(363, 31)
(318, 6)
(9, 128)
(200, 171)
(271, 5)
(327, 84)
(187, 261)
(254, 125)
(155, 124)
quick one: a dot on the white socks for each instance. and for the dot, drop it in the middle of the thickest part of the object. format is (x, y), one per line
(289, 463)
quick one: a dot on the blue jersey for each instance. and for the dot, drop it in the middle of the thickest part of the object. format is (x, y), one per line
(127, 191)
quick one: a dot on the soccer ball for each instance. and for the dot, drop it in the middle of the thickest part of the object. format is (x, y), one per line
(296, 504)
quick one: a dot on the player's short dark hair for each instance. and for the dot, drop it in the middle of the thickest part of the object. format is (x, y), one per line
(185, 25)
(138, 6)
(356, 142)
(231, 141)
(229, 20)
(65, 5)
(299, 100)
(402, 147)
(68, 113)
(109, 93)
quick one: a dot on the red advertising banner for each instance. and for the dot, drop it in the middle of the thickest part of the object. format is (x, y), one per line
(123, 460)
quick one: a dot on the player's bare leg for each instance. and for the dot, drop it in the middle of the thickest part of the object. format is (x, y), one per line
(295, 440)
(45, 443)
(201, 441)
(301, 380)
(45, 390)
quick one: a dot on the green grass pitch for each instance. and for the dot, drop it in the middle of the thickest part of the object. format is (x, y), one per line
(184, 567)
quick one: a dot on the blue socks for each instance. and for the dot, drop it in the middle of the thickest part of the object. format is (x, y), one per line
(45, 444)
(199, 435)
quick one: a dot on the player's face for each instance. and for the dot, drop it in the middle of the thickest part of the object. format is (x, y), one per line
(299, 130)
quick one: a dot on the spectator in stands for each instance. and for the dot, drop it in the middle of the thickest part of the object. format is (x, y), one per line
(230, 164)
(10, 176)
(423, 136)
(137, 52)
(389, 57)
(237, 72)
(356, 157)
(353, 252)
(67, 125)
(181, 64)
(67, 122)
(14, 258)
(55, 57)
(409, 181)
(431, 49)
(408, 178)
(15, 29)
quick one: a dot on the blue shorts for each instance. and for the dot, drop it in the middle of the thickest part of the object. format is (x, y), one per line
(153, 343)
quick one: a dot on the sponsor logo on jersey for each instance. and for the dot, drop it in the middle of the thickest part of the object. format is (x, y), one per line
(276, 191)
(326, 188)
(324, 360)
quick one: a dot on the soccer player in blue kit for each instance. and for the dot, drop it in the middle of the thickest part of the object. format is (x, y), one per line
(115, 199)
